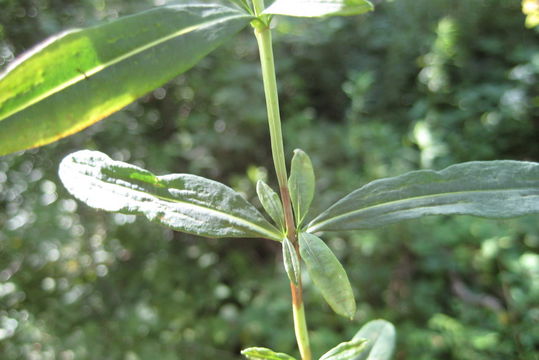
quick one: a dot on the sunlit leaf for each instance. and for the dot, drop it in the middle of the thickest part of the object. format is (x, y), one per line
(328, 274)
(301, 184)
(271, 203)
(346, 351)
(79, 77)
(317, 8)
(380, 336)
(291, 261)
(182, 202)
(492, 189)
(260, 353)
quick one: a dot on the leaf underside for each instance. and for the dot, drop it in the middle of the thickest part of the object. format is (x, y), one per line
(182, 202)
(349, 350)
(291, 261)
(380, 335)
(271, 203)
(79, 77)
(318, 8)
(492, 189)
(327, 274)
(260, 353)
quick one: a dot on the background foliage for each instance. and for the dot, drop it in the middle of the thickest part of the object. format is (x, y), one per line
(416, 84)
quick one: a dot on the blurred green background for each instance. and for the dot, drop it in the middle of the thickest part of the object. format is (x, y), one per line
(416, 84)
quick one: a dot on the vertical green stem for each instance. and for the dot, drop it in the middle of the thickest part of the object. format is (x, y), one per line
(300, 323)
(263, 37)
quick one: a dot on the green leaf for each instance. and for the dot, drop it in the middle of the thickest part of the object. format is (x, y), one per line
(328, 274)
(301, 184)
(271, 203)
(182, 202)
(243, 4)
(291, 261)
(79, 77)
(318, 8)
(260, 353)
(380, 336)
(492, 189)
(346, 350)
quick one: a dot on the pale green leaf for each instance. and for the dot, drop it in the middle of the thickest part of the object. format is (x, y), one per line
(79, 77)
(271, 203)
(318, 8)
(182, 202)
(243, 4)
(346, 350)
(492, 189)
(301, 184)
(291, 261)
(260, 353)
(327, 274)
(380, 336)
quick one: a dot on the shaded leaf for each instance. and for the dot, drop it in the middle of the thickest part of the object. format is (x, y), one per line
(380, 336)
(493, 189)
(243, 4)
(182, 202)
(291, 261)
(79, 77)
(271, 203)
(346, 350)
(260, 353)
(318, 8)
(327, 274)
(301, 184)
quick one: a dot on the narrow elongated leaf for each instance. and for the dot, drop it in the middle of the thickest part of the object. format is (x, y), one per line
(301, 184)
(260, 353)
(291, 261)
(271, 203)
(492, 189)
(318, 8)
(182, 202)
(243, 4)
(349, 350)
(380, 336)
(79, 77)
(327, 274)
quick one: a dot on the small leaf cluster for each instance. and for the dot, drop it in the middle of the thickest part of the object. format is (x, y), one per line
(374, 341)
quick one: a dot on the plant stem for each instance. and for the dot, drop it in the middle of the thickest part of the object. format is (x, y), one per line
(258, 6)
(300, 324)
(263, 37)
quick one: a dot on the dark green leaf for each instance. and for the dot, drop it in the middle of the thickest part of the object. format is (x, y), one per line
(327, 274)
(291, 261)
(271, 203)
(260, 353)
(380, 336)
(346, 351)
(182, 202)
(79, 77)
(493, 189)
(318, 8)
(301, 184)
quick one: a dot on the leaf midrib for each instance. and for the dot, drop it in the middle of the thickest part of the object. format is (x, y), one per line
(91, 72)
(317, 225)
(272, 235)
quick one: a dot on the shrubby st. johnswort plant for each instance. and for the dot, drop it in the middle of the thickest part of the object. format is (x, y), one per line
(81, 76)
